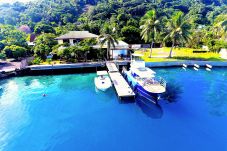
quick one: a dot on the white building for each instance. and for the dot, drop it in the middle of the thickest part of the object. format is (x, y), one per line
(223, 53)
(120, 49)
(74, 37)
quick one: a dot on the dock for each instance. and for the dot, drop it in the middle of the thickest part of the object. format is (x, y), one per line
(111, 66)
(123, 90)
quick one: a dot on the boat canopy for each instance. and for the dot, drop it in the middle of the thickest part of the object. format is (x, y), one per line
(143, 72)
(102, 73)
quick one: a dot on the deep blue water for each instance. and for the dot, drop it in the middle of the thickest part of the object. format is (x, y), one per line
(74, 117)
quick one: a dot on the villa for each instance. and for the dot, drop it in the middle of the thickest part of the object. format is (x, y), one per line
(73, 37)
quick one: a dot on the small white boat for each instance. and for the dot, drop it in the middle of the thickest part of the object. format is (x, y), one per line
(102, 82)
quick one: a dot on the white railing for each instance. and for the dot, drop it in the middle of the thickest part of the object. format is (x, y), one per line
(161, 81)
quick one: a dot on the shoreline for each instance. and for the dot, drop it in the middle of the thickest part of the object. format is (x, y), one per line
(89, 67)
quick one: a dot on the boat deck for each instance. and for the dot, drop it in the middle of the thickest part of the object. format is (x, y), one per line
(153, 87)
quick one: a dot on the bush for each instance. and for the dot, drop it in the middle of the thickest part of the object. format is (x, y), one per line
(37, 60)
(2, 56)
(14, 51)
(2, 45)
(48, 61)
(216, 45)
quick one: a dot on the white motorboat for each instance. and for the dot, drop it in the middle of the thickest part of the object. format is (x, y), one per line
(143, 79)
(102, 82)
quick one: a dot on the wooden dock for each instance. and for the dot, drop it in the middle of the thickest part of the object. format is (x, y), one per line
(111, 66)
(123, 90)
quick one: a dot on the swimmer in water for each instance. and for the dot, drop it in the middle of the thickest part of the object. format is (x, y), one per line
(44, 95)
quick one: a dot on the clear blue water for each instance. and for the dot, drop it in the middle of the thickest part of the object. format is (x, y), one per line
(74, 117)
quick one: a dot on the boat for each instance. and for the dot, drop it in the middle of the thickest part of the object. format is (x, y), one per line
(143, 80)
(102, 81)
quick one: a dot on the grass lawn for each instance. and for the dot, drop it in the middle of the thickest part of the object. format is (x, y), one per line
(179, 54)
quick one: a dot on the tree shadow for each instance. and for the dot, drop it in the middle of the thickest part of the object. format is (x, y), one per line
(173, 92)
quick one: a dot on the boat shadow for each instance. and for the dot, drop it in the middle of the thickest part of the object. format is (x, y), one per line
(149, 108)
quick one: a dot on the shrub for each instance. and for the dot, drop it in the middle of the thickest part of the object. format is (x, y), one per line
(48, 61)
(2, 56)
(37, 60)
(14, 51)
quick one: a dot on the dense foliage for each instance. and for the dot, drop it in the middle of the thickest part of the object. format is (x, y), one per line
(134, 21)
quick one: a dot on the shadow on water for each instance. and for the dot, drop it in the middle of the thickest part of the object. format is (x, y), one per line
(149, 108)
(173, 92)
(155, 111)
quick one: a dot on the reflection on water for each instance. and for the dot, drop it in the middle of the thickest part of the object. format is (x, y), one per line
(67, 82)
(150, 109)
(217, 99)
(28, 81)
(106, 95)
(1, 91)
(173, 92)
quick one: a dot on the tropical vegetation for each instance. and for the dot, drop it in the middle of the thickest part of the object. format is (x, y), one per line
(174, 24)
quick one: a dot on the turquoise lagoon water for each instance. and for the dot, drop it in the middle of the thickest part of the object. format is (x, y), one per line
(74, 117)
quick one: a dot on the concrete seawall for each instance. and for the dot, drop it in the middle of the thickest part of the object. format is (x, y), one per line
(72, 66)
(189, 63)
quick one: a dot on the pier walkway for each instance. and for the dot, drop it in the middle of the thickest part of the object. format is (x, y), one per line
(122, 88)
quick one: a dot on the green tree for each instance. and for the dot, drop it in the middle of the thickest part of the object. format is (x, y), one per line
(150, 27)
(131, 34)
(44, 44)
(220, 26)
(9, 35)
(108, 40)
(43, 28)
(178, 30)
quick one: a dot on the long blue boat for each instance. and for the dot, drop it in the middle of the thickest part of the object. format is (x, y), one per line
(143, 79)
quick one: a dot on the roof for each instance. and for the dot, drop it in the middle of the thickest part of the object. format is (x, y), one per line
(121, 45)
(77, 35)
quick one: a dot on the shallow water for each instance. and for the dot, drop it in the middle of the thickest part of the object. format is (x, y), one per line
(73, 116)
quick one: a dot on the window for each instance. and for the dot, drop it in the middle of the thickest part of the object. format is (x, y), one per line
(65, 40)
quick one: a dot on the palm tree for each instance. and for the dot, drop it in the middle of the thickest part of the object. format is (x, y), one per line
(178, 30)
(150, 25)
(109, 40)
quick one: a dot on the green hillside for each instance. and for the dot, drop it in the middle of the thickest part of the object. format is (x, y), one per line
(120, 18)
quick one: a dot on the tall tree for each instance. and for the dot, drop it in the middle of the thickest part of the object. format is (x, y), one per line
(220, 26)
(44, 44)
(150, 26)
(178, 29)
(108, 40)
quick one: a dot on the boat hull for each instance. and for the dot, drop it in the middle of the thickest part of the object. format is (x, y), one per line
(139, 90)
